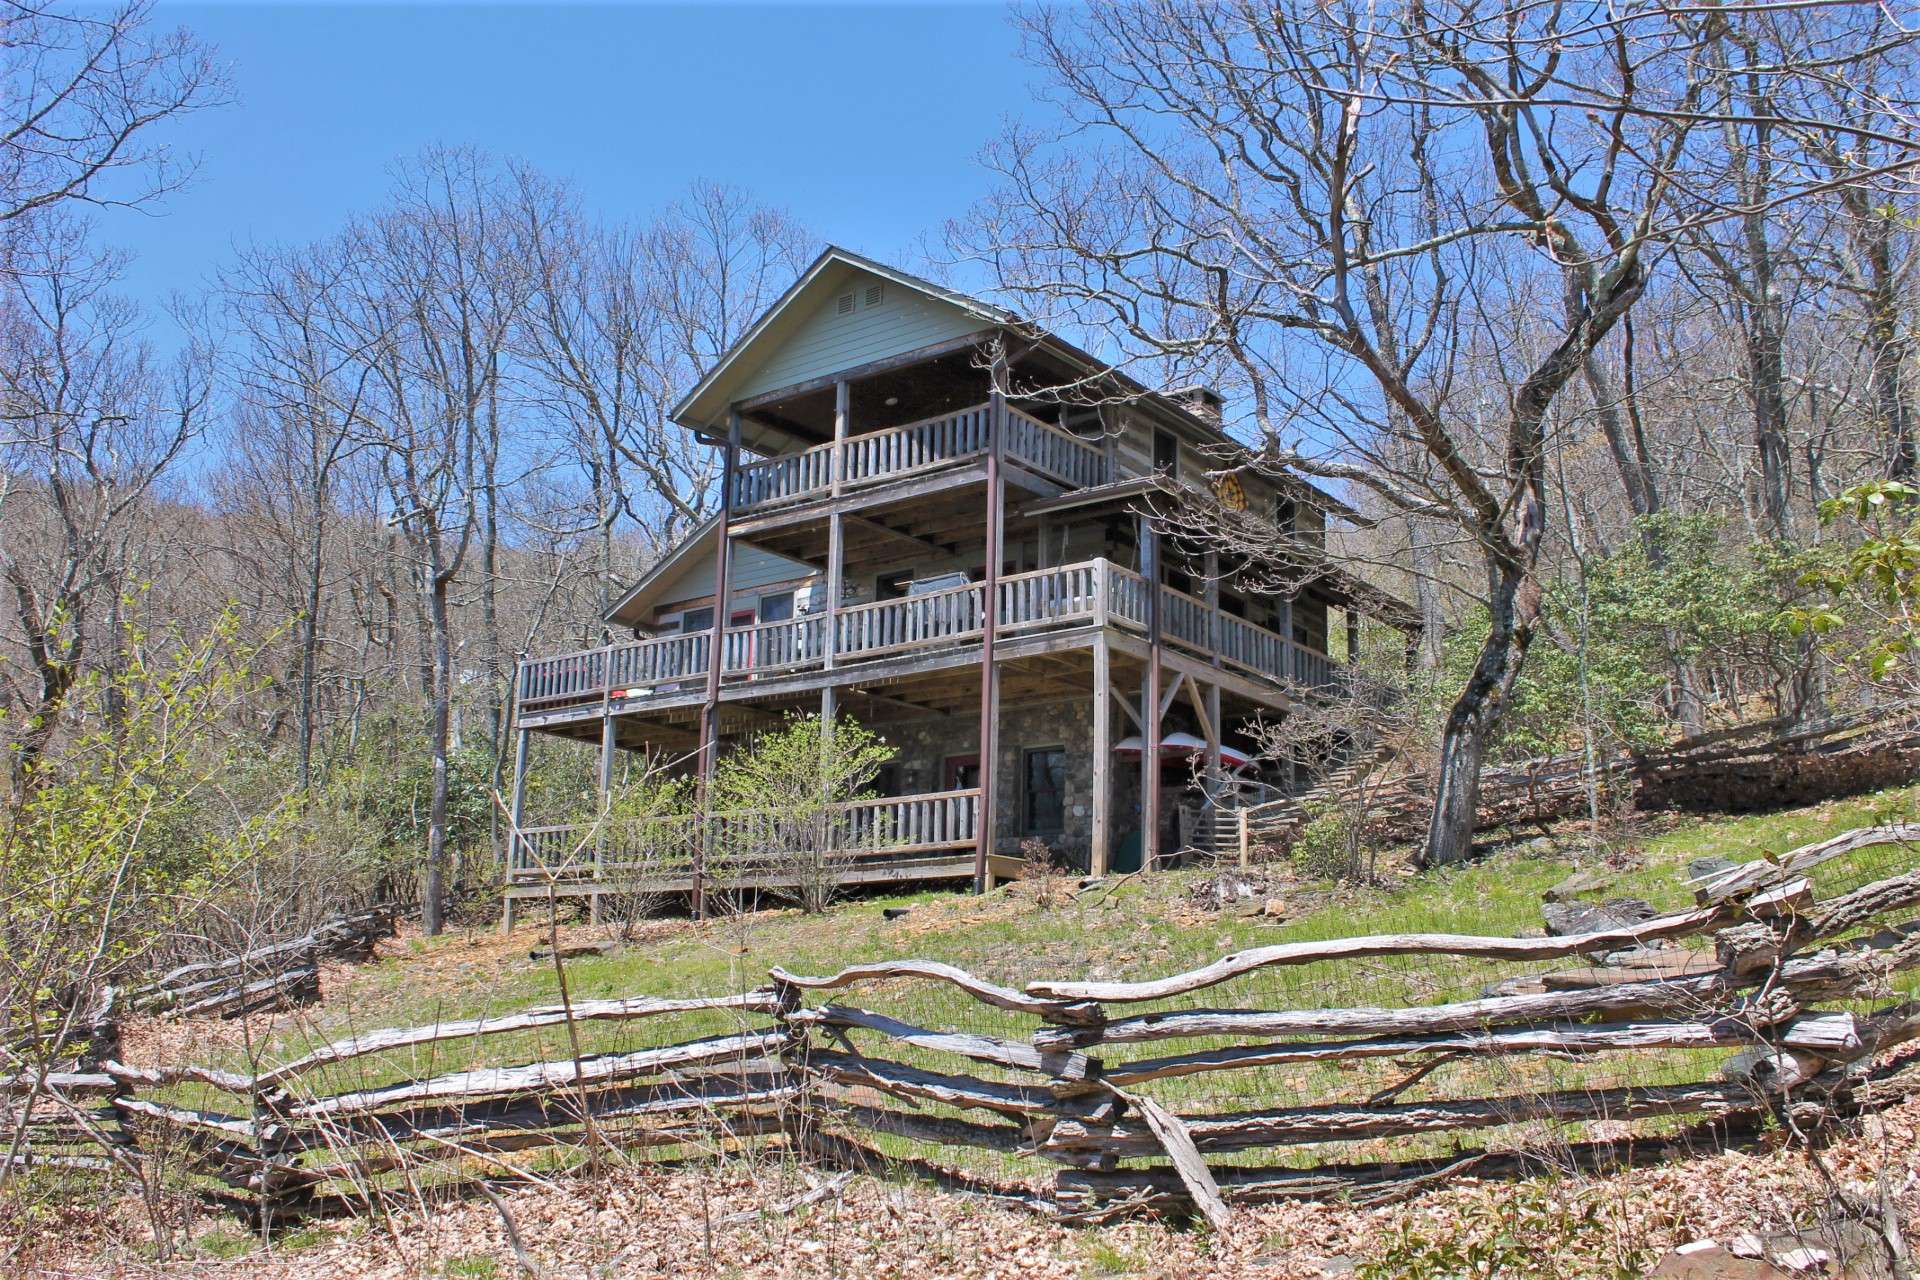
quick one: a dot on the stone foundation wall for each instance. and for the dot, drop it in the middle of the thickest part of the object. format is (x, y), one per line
(923, 747)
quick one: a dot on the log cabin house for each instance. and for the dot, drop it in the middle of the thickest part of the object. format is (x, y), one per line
(896, 456)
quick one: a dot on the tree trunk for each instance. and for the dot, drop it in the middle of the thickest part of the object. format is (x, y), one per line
(1426, 590)
(432, 914)
(1513, 603)
(1887, 348)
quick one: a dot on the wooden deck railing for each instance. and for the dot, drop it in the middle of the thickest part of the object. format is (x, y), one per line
(1036, 600)
(747, 842)
(1189, 623)
(1056, 454)
(909, 449)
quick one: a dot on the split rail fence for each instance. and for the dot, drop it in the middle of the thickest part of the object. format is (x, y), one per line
(1364, 1067)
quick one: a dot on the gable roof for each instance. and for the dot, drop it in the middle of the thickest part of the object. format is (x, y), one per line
(631, 608)
(704, 408)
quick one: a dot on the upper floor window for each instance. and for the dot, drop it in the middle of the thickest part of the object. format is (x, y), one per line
(696, 620)
(776, 608)
(1286, 512)
(1166, 453)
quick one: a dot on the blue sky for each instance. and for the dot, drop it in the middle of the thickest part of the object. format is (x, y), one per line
(863, 120)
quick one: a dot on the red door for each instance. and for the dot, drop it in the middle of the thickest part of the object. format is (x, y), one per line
(961, 773)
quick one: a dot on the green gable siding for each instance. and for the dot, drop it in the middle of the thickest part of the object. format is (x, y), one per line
(826, 341)
(753, 568)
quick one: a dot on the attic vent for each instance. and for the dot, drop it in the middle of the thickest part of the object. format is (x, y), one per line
(875, 292)
(846, 304)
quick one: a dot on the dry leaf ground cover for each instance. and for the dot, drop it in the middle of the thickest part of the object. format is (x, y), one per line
(641, 1219)
(708, 1220)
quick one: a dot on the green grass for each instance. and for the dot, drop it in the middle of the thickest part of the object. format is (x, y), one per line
(476, 1266)
(224, 1243)
(303, 1238)
(1104, 1258)
(1143, 927)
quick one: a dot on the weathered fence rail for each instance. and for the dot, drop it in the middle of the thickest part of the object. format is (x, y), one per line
(1791, 984)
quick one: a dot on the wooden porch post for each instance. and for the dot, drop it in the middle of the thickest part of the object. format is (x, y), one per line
(607, 744)
(519, 812)
(1353, 634)
(1211, 711)
(989, 621)
(836, 523)
(716, 653)
(1099, 854)
(1150, 701)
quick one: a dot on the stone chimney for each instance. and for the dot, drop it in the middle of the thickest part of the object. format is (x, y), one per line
(1202, 401)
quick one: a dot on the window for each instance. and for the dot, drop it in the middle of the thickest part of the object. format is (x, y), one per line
(892, 586)
(1166, 453)
(776, 608)
(1044, 785)
(1285, 512)
(696, 620)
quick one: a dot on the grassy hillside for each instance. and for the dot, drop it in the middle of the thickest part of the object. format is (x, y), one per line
(1142, 927)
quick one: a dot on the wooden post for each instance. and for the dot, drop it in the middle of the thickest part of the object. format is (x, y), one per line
(1215, 784)
(1283, 623)
(1246, 839)
(1098, 855)
(519, 812)
(710, 713)
(989, 621)
(608, 742)
(836, 524)
(1150, 701)
(1353, 634)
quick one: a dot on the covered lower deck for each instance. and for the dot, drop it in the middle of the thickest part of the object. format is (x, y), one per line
(1072, 696)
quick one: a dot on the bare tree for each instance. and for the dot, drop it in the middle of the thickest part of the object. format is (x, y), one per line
(84, 91)
(433, 308)
(306, 393)
(95, 422)
(625, 320)
(1393, 230)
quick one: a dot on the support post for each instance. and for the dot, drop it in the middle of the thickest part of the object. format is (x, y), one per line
(1214, 787)
(989, 623)
(1353, 634)
(1216, 776)
(836, 524)
(1283, 623)
(515, 848)
(608, 741)
(1099, 854)
(716, 656)
(1149, 539)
